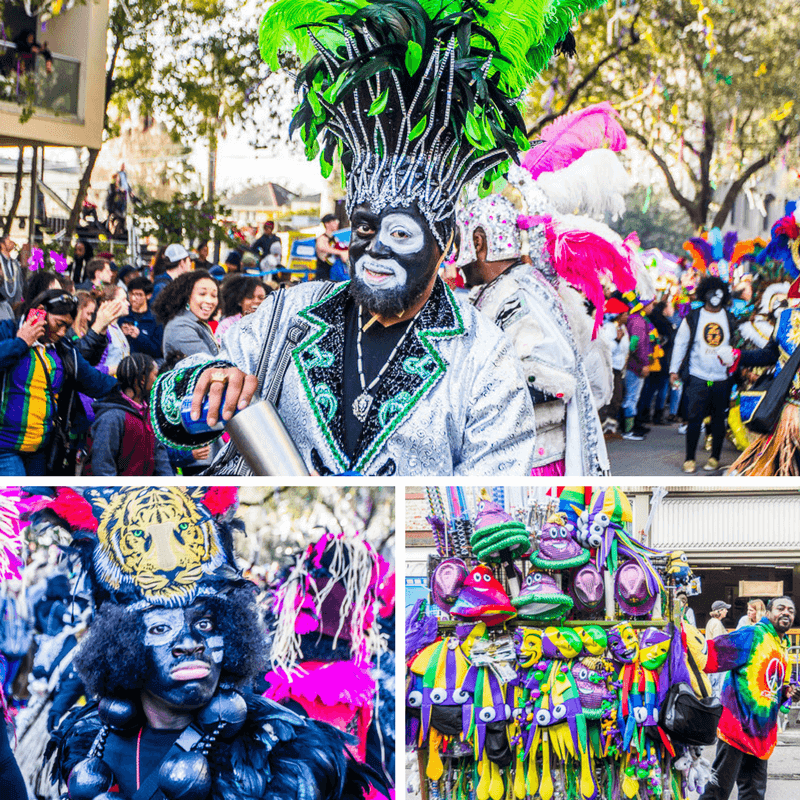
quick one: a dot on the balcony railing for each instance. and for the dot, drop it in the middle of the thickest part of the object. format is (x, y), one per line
(29, 80)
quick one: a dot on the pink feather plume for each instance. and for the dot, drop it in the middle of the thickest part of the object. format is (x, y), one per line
(71, 507)
(572, 135)
(330, 682)
(580, 257)
(220, 499)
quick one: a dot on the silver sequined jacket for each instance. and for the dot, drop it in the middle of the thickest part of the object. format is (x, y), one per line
(528, 308)
(453, 401)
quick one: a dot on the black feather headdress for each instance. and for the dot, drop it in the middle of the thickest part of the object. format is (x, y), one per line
(416, 98)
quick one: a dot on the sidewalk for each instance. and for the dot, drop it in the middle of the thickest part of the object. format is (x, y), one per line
(784, 767)
(661, 452)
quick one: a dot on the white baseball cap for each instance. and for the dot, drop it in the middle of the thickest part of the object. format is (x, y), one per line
(175, 253)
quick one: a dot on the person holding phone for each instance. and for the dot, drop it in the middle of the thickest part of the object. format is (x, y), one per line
(39, 371)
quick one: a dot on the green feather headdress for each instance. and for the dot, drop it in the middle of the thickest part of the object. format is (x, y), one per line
(417, 97)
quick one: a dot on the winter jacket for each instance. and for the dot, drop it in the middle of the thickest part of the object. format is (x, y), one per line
(640, 344)
(123, 442)
(27, 410)
(188, 335)
(150, 334)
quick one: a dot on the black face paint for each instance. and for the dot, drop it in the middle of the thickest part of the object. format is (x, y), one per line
(184, 655)
(393, 256)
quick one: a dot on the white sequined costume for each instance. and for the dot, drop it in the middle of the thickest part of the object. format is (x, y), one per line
(452, 402)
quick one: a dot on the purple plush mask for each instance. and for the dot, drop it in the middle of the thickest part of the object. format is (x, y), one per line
(446, 582)
(590, 679)
(631, 590)
(587, 588)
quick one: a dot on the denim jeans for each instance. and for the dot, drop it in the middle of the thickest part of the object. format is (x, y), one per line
(633, 388)
(13, 463)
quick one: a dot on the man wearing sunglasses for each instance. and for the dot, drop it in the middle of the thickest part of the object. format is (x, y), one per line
(41, 373)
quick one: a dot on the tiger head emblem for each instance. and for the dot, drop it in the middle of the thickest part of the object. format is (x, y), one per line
(157, 541)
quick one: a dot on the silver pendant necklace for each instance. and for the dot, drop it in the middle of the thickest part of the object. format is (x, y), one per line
(363, 403)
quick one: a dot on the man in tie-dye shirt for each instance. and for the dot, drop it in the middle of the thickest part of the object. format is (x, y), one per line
(755, 686)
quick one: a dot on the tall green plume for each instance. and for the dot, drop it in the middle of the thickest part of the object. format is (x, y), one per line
(416, 96)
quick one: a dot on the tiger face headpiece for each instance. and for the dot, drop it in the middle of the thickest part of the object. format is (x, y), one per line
(151, 546)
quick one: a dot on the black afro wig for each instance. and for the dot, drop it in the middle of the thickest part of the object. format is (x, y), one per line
(708, 285)
(111, 658)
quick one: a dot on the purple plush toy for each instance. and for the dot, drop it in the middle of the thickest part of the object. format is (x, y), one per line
(558, 548)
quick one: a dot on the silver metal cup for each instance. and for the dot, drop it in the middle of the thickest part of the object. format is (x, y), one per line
(261, 437)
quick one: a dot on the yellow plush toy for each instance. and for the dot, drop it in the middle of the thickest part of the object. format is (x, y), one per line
(694, 644)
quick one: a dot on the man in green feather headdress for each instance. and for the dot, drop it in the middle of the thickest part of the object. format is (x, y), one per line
(388, 373)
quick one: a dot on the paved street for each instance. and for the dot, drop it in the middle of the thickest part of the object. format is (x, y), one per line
(661, 452)
(784, 768)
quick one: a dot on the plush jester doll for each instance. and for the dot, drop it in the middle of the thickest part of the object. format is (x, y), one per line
(171, 658)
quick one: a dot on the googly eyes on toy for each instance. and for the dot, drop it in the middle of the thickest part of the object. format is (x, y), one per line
(460, 696)
(640, 714)
(595, 539)
(533, 577)
(438, 696)
(415, 699)
(559, 712)
(582, 674)
(487, 714)
(543, 717)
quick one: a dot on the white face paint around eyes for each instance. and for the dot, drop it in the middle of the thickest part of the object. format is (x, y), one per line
(716, 297)
(401, 233)
(171, 618)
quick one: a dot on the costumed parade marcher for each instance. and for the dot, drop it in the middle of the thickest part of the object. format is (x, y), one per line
(171, 659)
(701, 358)
(516, 295)
(775, 448)
(529, 297)
(543, 687)
(333, 615)
(437, 391)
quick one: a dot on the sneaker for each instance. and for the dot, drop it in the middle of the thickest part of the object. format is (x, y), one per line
(632, 436)
(641, 430)
(712, 465)
(682, 428)
(689, 466)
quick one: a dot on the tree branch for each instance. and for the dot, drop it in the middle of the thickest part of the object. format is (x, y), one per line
(684, 202)
(736, 187)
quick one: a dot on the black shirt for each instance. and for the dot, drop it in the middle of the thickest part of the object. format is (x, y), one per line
(120, 755)
(377, 343)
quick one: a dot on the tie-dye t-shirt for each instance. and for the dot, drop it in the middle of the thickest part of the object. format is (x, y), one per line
(754, 688)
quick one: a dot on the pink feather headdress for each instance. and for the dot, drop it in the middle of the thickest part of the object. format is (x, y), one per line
(572, 135)
(582, 250)
(12, 506)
